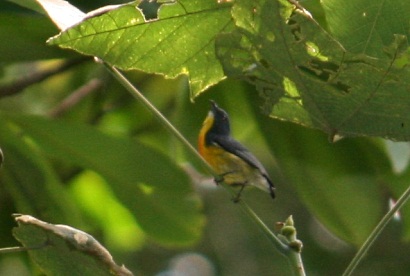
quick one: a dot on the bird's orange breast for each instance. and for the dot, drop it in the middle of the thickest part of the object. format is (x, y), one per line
(229, 166)
(232, 168)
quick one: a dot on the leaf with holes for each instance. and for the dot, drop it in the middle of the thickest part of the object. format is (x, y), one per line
(308, 77)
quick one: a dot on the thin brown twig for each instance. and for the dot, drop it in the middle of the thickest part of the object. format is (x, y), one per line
(75, 97)
(22, 83)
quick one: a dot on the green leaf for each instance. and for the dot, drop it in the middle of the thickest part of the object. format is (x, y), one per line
(22, 31)
(341, 184)
(307, 77)
(111, 217)
(63, 250)
(397, 185)
(148, 183)
(31, 180)
(180, 41)
(366, 26)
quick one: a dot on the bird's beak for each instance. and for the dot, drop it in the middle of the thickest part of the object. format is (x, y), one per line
(214, 105)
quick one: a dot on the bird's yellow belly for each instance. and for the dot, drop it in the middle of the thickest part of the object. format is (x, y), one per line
(230, 167)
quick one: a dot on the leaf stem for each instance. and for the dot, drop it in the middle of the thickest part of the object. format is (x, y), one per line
(376, 232)
(19, 249)
(293, 256)
(140, 97)
(12, 249)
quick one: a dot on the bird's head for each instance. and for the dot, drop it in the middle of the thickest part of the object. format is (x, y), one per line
(219, 120)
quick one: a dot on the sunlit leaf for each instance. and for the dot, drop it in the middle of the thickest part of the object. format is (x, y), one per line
(118, 224)
(180, 41)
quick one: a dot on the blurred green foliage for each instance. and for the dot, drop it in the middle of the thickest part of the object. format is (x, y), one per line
(106, 166)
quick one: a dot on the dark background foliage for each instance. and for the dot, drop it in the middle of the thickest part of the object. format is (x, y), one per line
(100, 162)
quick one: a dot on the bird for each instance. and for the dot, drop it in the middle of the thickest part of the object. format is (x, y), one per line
(233, 162)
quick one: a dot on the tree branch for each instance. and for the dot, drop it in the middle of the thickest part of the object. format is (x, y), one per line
(75, 97)
(20, 84)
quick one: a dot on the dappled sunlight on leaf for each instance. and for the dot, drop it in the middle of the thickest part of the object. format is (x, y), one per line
(94, 196)
(180, 41)
(342, 93)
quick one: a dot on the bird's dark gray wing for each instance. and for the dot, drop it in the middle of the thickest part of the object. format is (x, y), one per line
(236, 148)
(231, 145)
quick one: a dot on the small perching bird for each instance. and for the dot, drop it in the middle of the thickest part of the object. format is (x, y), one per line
(235, 164)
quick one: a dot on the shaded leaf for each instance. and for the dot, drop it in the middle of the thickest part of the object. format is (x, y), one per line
(341, 184)
(180, 41)
(23, 30)
(366, 26)
(63, 250)
(307, 77)
(148, 183)
(32, 182)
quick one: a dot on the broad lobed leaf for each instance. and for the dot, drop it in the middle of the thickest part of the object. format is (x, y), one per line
(308, 77)
(180, 41)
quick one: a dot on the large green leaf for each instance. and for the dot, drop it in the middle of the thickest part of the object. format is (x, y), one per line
(341, 184)
(367, 26)
(180, 41)
(63, 250)
(31, 180)
(148, 183)
(307, 77)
